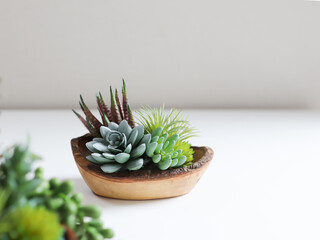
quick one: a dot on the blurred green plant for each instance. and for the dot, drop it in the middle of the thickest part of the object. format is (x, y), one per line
(26, 187)
(31, 223)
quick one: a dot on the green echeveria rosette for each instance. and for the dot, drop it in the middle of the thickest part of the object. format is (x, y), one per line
(121, 147)
(161, 150)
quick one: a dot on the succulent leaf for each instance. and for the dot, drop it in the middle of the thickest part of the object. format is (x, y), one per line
(182, 160)
(125, 128)
(163, 165)
(156, 158)
(113, 126)
(174, 138)
(138, 151)
(92, 130)
(100, 158)
(92, 119)
(109, 155)
(114, 108)
(146, 139)
(128, 148)
(157, 132)
(114, 150)
(111, 167)
(150, 148)
(174, 162)
(124, 100)
(81, 119)
(133, 136)
(140, 130)
(104, 131)
(106, 110)
(100, 147)
(155, 139)
(135, 164)
(122, 157)
(158, 148)
(103, 112)
(119, 105)
(91, 159)
(89, 145)
(130, 116)
(105, 119)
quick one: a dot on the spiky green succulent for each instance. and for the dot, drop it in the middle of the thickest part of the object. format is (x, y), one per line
(31, 223)
(168, 146)
(121, 147)
(115, 113)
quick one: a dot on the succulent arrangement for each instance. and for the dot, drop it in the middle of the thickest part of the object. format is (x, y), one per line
(156, 139)
(34, 208)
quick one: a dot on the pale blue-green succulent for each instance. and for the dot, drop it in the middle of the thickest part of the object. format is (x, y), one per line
(161, 150)
(121, 147)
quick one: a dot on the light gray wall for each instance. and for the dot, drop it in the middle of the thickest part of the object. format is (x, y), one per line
(200, 53)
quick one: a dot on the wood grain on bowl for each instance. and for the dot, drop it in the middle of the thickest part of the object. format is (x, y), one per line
(146, 183)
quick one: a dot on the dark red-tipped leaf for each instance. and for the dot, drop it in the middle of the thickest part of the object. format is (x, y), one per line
(105, 119)
(92, 130)
(114, 108)
(105, 108)
(92, 119)
(81, 119)
(125, 100)
(119, 105)
(130, 117)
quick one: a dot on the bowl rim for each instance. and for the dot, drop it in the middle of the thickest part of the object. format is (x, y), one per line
(91, 168)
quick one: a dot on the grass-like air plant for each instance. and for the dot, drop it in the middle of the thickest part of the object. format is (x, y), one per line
(115, 113)
(171, 123)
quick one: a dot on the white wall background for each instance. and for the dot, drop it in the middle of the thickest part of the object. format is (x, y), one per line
(204, 53)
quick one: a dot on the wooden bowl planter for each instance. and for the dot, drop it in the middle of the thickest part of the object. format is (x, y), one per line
(147, 183)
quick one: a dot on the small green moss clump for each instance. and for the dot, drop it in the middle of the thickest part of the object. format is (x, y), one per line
(30, 223)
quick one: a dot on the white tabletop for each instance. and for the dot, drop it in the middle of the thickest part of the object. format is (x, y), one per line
(263, 183)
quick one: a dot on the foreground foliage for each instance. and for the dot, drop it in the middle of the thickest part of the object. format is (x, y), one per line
(25, 191)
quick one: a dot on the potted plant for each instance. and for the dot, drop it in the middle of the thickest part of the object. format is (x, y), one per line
(148, 158)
